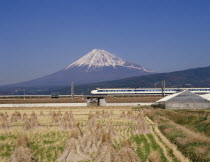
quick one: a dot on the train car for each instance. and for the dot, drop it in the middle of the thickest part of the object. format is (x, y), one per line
(146, 91)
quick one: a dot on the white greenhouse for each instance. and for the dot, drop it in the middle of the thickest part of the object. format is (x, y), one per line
(184, 100)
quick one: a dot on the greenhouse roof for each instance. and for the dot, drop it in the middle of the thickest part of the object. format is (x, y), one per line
(206, 96)
(169, 97)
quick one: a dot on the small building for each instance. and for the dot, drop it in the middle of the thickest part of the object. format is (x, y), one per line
(184, 100)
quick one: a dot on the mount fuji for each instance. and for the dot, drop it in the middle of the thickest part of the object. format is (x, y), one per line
(96, 66)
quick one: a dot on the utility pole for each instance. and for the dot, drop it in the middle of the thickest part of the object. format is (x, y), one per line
(72, 89)
(155, 84)
(24, 94)
(163, 87)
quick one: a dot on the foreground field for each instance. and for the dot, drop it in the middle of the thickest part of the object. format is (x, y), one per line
(90, 134)
(189, 130)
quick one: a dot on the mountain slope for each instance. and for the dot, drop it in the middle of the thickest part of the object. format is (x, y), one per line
(198, 77)
(96, 66)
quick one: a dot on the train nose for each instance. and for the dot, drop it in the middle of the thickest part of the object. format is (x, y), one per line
(93, 92)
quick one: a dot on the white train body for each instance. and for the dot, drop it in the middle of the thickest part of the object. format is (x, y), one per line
(146, 91)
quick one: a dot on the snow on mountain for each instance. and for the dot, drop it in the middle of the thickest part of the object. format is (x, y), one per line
(98, 58)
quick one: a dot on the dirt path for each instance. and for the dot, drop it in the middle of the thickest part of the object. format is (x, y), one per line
(167, 143)
(161, 145)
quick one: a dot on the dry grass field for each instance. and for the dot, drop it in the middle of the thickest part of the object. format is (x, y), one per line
(119, 99)
(99, 134)
(41, 100)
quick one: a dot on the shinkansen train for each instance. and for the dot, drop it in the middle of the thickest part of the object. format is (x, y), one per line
(146, 91)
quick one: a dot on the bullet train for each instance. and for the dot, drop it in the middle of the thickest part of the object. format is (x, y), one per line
(146, 91)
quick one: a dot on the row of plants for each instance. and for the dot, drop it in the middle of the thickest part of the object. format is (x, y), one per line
(145, 148)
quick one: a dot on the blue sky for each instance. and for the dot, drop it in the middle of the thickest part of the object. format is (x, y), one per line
(39, 37)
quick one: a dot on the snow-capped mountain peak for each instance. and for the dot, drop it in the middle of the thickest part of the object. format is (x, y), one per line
(99, 58)
(96, 66)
